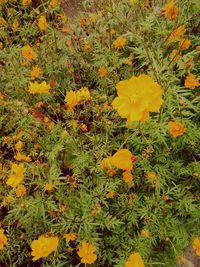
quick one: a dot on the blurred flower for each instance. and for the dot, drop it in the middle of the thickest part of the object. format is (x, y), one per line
(83, 94)
(83, 21)
(119, 42)
(49, 187)
(26, 2)
(70, 237)
(19, 145)
(16, 175)
(1, 45)
(176, 128)
(145, 233)
(184, 44)
(110, 194)
(135, 260)
(15, 25)
(71, 99)
(176, 34)
(21, 157)
(83, 127)
(53, 3)
(3, 239)
(170, 10)
(28, 53)
(111, 172)
(175, 55)
(86, 253)
(191, 81)
(42, 23)
(137, 97)
(127, 177)
(20, 191)
(102, 72)
(43, 246)
(35, 72)
(2, 22)
(196, 245)
(39, 88)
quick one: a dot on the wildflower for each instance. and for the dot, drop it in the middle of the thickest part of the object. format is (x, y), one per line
(102, 72)
(112, 32)
(3, 239)
(184, 44)
(175, 55)
(111, 172)
(70, 237)
(35, 72)
(196, 245)
(129, 60)
(15, 25)
(191, 81)
(119, 42)
(21, 157)
(16, 175)
(42, 23)
(151, 176)
(49, 187)
(19, 145)
(177, 34)
(53, 3)
(170, 10)
(20, 191)
(111, 194)
(127, 177)
(2, 22)
(86, 45)
(71, 99)
(39, 88)
(86, 253)
(43, 246)
(83, 94)
(135, 260)
(96, 209)
(83, 127)
(26, 2)
(83, 22)
(176, 128)
(137, 97)
(145, 233)
(28, 53)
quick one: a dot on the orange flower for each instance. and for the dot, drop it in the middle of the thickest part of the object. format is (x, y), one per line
(19, 145)
(16, 175)
(135, 260)
(42, 23)
(170, 10)
(70, 237)
(86, 253)
(196, 245)
(3, 239)
(184, 44)
(111, 172)
(127, 177)
(21, 157)
(28, 53)
(49, 187)
(20, 191)
(53, 3)
(175, 55)
(26, 2)
(35, 72)
(176, 128)
(176, 35)
(111, 194)
(102, 72)
(119, 42)
(191, 81)
(145, 233)
(83, 127)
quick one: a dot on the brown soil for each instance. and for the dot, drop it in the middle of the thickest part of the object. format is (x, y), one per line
(71, 7)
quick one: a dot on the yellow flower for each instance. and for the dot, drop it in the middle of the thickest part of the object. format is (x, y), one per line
(175, 55)
(102, 72)
(177, 34)
(42, 23)
(35, 72)
(86, 45)
(170, 10)
(137, 97)
(21, 157)
(19, 145)
(2, 22)
(196, 245)
(184, 44)
(83, 94)
(15, 25)
(111, 194)
(151, 176)
(86, 253)
(39, 88)
(44, 246)
(28, 53)
(119, 42)
(135, 260)
(145, 233)
(71, 99)
(26, 2)
(176, 128)
(191, 81)
(70, 237)
(83, 127)
(16, 175)
(3, 239)
(53, 3)
(49, 187)
(20, 191)
(127, 177)
(1, 45)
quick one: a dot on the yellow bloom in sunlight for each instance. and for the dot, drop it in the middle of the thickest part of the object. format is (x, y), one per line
(87, 253)
(28, 53)
(196, 245)
(19, 145)
(119, 42)
(42, 23)
(83, 94)
(176, 128)
(16, 175)
(137, 97)
(170, 10)
(15, 25)
(26, 2)
(20, 191)
(102, 72)
(39, 88)
(21, 157)
(49, 187)
(53, 3)
(3, 239)
(177, 34)
(44, 246)
(70, 237)
(191, 81)
(35, 72)
(135, 260)
(71, 99)
(184, 44)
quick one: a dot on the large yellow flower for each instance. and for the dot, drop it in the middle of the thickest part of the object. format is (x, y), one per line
(137, 97)
(86, 253)
(44, 246)
(16, 175)
(3, 239)
(39, 88)
(135, 260)
(28, 53)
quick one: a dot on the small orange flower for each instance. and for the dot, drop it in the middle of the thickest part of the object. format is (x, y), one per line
(191, 81)
(145, 233)
(196, 245)
(83, 127)
(111, 172)
(70, 237)
(35, 72)
(177, 34)
(16, 175)
(127, 177)
(184, 44)
(28, 53)
(20, 191)
(21, 157)
(49, 187)
(135, 260)
(3, 239)
(19, 145)
(87, 253)
(176, 128)
(26, 2)
(170, 10)
(111, 194)
(42, 23)
(102, 72)
(119, 42)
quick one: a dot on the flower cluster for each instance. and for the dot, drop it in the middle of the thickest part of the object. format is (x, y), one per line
(74, 98)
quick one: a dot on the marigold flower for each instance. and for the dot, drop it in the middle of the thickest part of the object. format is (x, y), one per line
(21, 157)
(170, 10)
(111, 194)
(137, 97)
(28, 53)
(177, 34)
(86, 253)
(70, 237)
(145, 233)
(83, 127)
(15, 25)
(111, 172)
(39, 88)
(20, 191)
(196, 245)
(184, 44)
(102, 72)
(42, 23)
(16, 175)
(49, 187)
(3, 239)
(44, 246)
(19, 145)
(26, 2)
(71, 99)
(119, 42)
(35, 72)
(135, 260)
(53, 3)
(176, 128)
(127, 177)
(191, 81)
